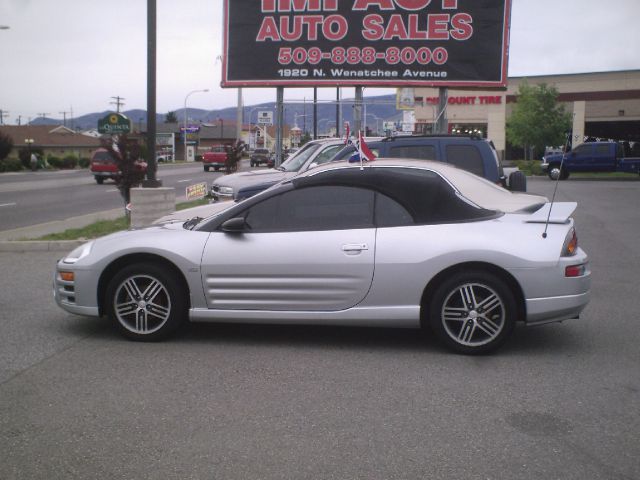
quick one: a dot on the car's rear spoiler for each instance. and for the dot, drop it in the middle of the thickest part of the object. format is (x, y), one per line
(560, 213)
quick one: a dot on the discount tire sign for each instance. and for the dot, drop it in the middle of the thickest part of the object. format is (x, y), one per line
(366, 42)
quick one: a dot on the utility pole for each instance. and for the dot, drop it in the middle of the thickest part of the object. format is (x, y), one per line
(43, 115)
(19, 120)
(3, 113)
(64, 118)
(118, 103)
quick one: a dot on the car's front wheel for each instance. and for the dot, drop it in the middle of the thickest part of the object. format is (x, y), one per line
(472, 312)
(146, 302)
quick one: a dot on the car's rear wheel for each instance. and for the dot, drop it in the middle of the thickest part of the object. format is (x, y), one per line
(206, 168)
(145, 302)
(99, 180)
(472, 312)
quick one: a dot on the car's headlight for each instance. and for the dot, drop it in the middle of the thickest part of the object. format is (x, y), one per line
(78, 253)
(225, 190)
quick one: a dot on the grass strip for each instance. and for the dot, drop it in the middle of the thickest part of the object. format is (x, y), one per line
(105, 227)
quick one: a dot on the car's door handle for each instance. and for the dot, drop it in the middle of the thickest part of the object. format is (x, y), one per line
(354, 248)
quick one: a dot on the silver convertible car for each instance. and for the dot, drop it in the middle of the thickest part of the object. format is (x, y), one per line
(392, 243)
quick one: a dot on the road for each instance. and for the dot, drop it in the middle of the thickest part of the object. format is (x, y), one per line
(267, 402)
(30, 198)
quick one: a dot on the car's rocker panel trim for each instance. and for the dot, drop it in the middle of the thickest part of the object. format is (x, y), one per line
(401, 316)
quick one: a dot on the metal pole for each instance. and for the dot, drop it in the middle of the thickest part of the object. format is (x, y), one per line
(239, 117)
(315, 112)
(152, 166)
(279, 124)
(442, 125)
(357, 111)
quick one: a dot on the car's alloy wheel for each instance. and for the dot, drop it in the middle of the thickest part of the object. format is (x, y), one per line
(473, 312)
(145, 302)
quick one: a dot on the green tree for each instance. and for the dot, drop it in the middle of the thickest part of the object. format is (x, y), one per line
(6, 145)
(170, 117)
(537, 119)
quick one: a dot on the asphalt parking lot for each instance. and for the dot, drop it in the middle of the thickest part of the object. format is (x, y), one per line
(247, 402)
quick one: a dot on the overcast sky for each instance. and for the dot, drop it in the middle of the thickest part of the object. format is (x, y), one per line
(63, 55)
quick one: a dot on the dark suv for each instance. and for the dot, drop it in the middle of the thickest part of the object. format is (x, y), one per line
(260, 156)
(471, 153)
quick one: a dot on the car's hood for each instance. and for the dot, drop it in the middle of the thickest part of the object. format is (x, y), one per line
(203, 211)
(242, 179)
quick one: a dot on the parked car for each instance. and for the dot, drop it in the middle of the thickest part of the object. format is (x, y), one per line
(164, 157)
(260, 156)
(311, 154)
(469, 152)
(392, 243)
(590, 157)
(103, 166)
(215, 158)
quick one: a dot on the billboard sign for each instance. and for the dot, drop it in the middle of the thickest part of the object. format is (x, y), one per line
(456, 43)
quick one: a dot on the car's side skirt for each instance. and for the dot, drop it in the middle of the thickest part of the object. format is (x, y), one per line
(399, 317)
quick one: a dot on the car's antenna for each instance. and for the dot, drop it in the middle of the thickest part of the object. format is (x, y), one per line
(555, 188)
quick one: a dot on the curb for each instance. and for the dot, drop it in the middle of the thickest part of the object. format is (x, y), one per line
(39, 246)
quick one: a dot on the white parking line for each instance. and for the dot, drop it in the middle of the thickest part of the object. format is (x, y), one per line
(112, 190)
(7, 204)
(185, 181)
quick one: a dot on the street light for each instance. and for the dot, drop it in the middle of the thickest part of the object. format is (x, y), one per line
(29, 142)
(184, 133)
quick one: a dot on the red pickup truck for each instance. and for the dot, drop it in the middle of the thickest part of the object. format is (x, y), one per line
(104, 166)
(216, 158)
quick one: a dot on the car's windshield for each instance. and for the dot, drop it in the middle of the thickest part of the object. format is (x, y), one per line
(294, 163)
(102, 157)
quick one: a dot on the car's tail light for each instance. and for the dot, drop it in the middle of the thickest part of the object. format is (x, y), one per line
(570, 247)
(575, 270)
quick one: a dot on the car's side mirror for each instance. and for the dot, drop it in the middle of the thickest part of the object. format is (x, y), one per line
(234, 225)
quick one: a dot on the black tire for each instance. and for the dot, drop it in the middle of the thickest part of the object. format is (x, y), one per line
(216, 168)
(206, 168)
(459, 317)
(99, 180)
(517, 182)
(151, 303)
(564, 174)
(252, 164)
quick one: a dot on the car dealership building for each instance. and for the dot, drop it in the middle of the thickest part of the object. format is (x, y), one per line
(603, 104)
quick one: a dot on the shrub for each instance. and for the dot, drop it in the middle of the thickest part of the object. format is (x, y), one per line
(69, 162)
(530, 167)
(84, 162)
(10, 165)
(54, 162)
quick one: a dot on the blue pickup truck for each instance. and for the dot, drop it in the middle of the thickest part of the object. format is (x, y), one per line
(590, 157)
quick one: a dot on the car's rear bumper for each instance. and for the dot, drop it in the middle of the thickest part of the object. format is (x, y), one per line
(556, 309)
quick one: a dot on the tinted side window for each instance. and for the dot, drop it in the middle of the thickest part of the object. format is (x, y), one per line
(602, 149)
(421, 152)
(582, 150)
(327, 154)
(467, 157)
(390, 213)
(314, 208)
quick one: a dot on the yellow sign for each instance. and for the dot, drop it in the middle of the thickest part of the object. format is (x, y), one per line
(197, 191)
